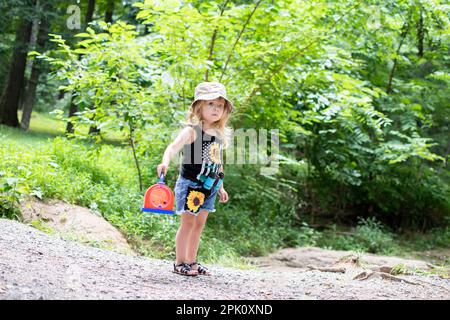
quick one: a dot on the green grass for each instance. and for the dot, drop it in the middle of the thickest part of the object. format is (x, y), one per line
(45, 125)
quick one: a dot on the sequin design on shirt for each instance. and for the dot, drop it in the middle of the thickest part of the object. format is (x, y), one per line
(211, 159)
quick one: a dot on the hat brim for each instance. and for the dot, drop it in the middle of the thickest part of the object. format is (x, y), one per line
(212, 96)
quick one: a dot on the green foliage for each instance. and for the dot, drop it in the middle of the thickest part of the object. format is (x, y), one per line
(435, 238)
(373, 236)
(107, 73)
(359, 126)
(369, 236)
(9, 197)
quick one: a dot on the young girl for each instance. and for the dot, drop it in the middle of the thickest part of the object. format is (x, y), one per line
(201, 173)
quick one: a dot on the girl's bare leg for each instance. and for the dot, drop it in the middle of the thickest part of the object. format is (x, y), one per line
(194, 237)
(183, 237)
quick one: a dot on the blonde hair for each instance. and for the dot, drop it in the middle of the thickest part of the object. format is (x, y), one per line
(194, 117)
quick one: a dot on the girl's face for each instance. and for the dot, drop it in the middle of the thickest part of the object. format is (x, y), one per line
(212, 110)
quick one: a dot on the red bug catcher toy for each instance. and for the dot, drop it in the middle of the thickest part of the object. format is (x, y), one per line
(159, 198)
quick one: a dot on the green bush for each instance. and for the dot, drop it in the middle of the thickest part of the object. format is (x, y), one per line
(368, 236)
(433, 239)
(9, 197)
(372, 236)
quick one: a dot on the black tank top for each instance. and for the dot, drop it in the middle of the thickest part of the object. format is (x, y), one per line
(202, 156)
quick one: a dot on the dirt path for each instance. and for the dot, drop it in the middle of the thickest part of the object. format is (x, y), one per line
(34, 265)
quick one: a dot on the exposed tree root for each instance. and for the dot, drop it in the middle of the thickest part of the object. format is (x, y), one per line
(436, 285)
(384, 269)
(383, 275)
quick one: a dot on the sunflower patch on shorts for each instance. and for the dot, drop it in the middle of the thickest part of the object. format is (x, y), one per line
(194, 199)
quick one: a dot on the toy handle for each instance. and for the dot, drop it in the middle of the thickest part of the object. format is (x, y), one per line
(161, 178)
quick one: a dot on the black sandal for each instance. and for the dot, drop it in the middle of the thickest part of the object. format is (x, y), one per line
(200, 269)
(184, 269)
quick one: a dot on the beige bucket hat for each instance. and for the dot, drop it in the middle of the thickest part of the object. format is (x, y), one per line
(210, 91)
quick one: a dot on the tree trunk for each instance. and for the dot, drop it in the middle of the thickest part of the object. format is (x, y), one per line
(109, 11)
(447, 152)
(30, 62)
(33, 40)
(89, 12)
(146, 29)
(30, 93)
(61, 94)
(136, 161)
(9, 101)
(73, 107)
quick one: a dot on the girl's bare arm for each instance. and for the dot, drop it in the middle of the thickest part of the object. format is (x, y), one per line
(186, 136)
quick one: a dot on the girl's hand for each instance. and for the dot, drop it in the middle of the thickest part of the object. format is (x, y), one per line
(223, 195)
(162, 168)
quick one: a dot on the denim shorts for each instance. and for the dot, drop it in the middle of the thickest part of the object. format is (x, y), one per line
(181, 194)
